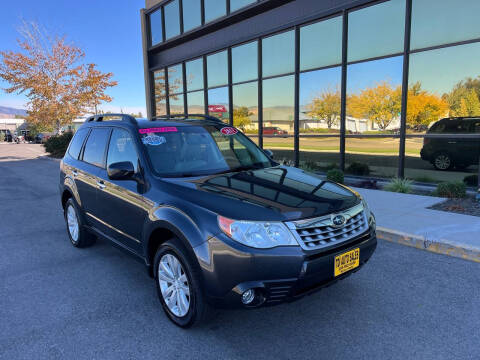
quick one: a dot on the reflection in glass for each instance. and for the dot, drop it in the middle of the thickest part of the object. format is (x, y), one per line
(215, 9)
(192, 14)
(172, 19)
(156, 27)
(374, 95)
(175, 79)
(245, 107)
(194, 74)
(319, 154)
(441, 22)
(237, 4)
(278, 115)
(380, 154)
(320, 101)
(218, 103)
(217, 69)
(278, 54)
(245, 62)
(196, 102)
(160, 93)
(376, 30)
(176, 104)
(321, 44)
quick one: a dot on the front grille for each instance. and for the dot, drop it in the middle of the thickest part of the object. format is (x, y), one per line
(318, 233)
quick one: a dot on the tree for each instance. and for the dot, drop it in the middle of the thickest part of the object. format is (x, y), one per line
(463, 100)
(326, 107)
(423, 107)
(49, 72)
(381, 104)
(159, 88)
(241, 117)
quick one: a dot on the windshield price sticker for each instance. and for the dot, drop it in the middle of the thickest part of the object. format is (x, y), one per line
(228, 131)
(158, 130)
(154, 140)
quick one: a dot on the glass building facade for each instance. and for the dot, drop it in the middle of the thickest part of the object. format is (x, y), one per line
(327, 87)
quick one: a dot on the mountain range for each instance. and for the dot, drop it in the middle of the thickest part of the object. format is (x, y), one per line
(9, 112)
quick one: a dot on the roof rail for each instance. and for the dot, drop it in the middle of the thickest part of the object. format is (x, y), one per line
(123, 117)
(186, 117)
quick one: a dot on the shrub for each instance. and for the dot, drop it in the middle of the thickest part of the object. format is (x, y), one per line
(309, 166)
(57, 145)
(357, 168)
(335, 175)
(452, 189)
(399, 185)
(471, 180)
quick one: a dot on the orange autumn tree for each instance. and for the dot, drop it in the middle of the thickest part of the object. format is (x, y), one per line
(326, 106)
(423, 107)
(49, 72)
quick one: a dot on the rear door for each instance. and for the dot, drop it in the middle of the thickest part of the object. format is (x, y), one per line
(122, 207)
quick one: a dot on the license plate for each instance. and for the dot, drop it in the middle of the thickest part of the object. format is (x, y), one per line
(347, 261)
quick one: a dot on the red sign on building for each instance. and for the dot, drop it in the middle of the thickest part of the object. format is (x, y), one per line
(217, 108)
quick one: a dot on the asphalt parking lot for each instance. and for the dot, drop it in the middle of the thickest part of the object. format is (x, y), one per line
(60, 302)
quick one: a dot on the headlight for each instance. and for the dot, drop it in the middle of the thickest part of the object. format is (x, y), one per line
(366, 208)
(262, 235)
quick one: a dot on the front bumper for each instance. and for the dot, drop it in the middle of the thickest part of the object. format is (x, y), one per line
(278, 275)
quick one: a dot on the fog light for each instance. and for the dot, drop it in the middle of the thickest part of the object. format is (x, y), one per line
(248, 296)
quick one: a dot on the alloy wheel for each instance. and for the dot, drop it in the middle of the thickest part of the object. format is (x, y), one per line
(72, 222)
(174, 285)
(442, 162)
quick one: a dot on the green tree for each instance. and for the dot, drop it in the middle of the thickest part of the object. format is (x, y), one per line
(241, 117)
(326, 107)
(463, 101)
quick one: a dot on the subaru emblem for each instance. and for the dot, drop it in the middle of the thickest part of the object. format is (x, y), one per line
(338, 220)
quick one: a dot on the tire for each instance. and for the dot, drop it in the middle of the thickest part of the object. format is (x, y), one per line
(78, 235)
(442, 161)
(197, 307)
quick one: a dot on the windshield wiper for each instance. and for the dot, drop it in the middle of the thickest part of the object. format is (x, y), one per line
(243, 168)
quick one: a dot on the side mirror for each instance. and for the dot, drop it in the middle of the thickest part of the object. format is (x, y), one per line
(121, 171)
(269, 153)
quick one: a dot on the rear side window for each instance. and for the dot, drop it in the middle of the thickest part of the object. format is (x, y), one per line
(94, 152)
(451, 127)
(122, 148)
(77, 142)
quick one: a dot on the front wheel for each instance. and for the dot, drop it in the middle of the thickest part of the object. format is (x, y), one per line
(442, 161)
(178, 285)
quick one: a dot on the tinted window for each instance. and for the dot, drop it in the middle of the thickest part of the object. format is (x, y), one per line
(278, 54)
(196, 102)
(214, 9)
(122, 148)
(192, 16)
(244, 62)
(238, 4)
(77, 142)
(451, 127)
(217, 69)
(160, 92)
(156, 27)
(175, 79)
(194, 71)
(172, 19)
(95, 147)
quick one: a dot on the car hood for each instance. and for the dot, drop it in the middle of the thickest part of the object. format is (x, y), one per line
(274, 194)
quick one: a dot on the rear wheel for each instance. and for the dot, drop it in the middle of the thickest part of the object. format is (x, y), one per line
(442, 161)
(78, 235)
(178, 285)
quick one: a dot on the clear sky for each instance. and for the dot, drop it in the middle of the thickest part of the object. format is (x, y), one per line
(107, 30)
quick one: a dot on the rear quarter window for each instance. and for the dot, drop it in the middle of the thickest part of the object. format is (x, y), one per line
(77, 142)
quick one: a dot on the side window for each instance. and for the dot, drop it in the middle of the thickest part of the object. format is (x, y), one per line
(77, 142)
(476, 128)
(94, 152)
(122, 148)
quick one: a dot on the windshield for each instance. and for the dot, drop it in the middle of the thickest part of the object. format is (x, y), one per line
(182, 151)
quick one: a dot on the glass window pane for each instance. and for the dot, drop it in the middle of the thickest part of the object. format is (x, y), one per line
(278, 54)
(319, 154)
(176, 104)
(374, 94)
(376, 30)
(245, 107)
(217, 69)
(194, 71)
(237, 4)
(215, 9)
(122, 148)
(156, 27)
(321, 44)
(196, 102)
(245, 62)
(443, 83)
(77, 142)
(320, 101)
(218, 103)
(172, 19)
(441, 22)
(95, 147)
(278, 114)
(175, 79)
(192, 14)
(160, 93)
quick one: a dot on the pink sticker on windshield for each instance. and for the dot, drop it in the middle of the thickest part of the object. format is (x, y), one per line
(158, 130)
(228, 131)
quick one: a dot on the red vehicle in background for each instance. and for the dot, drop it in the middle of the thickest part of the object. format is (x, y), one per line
(274, 131)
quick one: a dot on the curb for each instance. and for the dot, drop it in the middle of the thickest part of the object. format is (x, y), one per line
(436, 246)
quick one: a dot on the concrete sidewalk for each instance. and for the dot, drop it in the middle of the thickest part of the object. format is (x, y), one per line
(405, 219)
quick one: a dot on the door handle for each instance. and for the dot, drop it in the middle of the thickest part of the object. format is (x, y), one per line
(101, 184)
(74, 173)
(452, 142)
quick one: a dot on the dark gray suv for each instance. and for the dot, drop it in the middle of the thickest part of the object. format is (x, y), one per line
(215, 220)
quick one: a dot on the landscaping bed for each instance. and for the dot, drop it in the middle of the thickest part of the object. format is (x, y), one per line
(466, 206)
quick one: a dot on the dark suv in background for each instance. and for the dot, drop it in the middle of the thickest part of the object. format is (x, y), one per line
(213, 217)
(447, 152)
